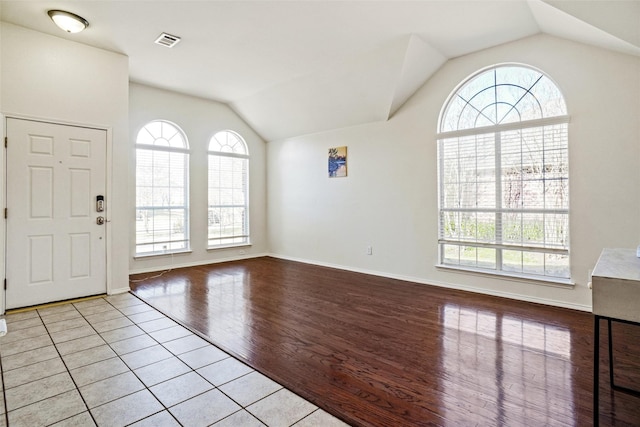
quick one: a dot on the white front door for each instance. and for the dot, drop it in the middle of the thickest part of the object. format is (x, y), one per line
(56, 249)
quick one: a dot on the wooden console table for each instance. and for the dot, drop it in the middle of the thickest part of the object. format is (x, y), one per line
(616, 297)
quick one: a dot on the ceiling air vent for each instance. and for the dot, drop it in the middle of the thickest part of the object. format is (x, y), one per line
(167, 40)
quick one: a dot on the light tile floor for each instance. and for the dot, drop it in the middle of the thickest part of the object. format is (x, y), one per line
(116, 361)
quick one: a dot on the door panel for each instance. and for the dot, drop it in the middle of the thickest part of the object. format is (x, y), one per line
(80, 190)
(55, 248)
(40, 188)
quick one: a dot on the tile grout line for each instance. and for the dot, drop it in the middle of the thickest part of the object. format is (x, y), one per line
(178, 357)
(68, 371)
(67, 368)
(120, 358)
(84, 317)
(4, 395)
(207, 339)
(242, 408)
(134, 373)
(215, 387)
(128, 367)
(53, 344)
(167, 408)
(306, 416)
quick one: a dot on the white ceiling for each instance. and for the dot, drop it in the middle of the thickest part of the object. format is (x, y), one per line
(297, 67)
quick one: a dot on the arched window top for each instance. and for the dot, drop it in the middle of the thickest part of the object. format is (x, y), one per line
(161, 133)
(227, 141)
(502, 94)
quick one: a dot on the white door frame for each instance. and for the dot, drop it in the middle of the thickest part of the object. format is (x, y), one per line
(3, 200)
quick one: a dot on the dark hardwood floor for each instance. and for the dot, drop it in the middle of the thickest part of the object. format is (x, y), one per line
(382, 352)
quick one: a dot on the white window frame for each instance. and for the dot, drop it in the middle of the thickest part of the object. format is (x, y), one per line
(167, 245)
(230, 146)
(491, 135)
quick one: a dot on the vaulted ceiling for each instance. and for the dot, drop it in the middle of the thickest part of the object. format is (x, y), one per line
(296, 67)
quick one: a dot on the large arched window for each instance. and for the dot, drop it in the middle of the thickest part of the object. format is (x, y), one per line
(162, 189)
(228, 213)
(504, 175)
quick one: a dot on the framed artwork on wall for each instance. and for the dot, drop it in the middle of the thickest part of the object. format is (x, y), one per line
(337, 162)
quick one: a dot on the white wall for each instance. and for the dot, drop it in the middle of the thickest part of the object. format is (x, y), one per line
(200, 119)
(389, 200)
(50, 78)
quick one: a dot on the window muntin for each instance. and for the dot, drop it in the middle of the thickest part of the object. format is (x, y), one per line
(502, 95)
(162, 190)
(503, 175)
(228, 211)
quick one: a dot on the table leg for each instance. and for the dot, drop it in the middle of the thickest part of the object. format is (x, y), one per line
(596, 371)
(610, 339)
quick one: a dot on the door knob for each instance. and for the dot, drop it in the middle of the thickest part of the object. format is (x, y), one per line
(100, 220)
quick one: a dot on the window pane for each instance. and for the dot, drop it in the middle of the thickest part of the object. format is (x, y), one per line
(512, 190)
(468, 226)
(512, 261)
(228, 142)
(550, 98)
(468, 194)
(451, 116)
(533, 230)
(483, 104)
(468, 256)
(487, 227)
(487, 258)
(511, 228)
(533, 263)
(160, 230)
(508, 94)
(451, 254)
(225, 222)
(161, 134)
(557, 265)
(449, 149)
(486, 194)
(556, 228)
(450, 225)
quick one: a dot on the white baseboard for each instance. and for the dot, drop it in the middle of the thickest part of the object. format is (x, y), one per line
(197, 263)
(510, 295)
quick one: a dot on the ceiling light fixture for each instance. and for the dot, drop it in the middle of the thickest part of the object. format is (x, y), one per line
(69, 22)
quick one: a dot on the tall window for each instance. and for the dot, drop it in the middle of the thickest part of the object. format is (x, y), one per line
(504, 175)
(228, 190)
(162, 189)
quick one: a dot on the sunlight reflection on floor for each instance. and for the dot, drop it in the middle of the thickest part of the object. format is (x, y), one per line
(482, 351)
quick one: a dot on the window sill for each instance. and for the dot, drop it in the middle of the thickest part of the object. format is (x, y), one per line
(540, 280)
(163, 254)
(235, 245)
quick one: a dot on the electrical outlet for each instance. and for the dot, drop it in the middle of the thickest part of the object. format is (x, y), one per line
(369, 250)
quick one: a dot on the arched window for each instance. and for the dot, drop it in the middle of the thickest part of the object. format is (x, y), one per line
(228, 215)
(162, 189)
(504, 175)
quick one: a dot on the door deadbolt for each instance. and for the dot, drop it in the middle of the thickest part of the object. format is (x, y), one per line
(100, 220)
(99, 203)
